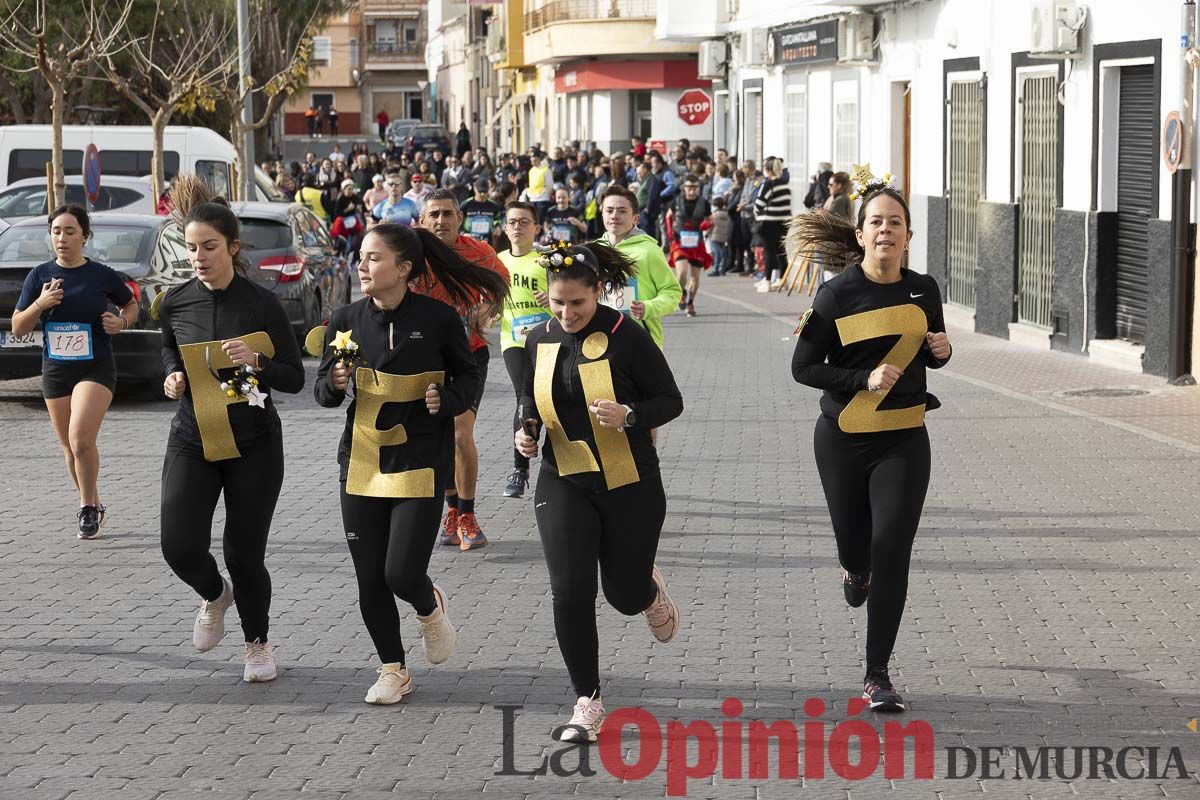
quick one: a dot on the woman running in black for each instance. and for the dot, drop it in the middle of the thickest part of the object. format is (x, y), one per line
(599, 385)
(70, 296)
(867, 340)
(405, 361)
(227, 344)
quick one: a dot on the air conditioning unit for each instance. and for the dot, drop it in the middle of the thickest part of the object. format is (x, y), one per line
(711, 62)
(1056, 29)
(756, 48)
(856, 38)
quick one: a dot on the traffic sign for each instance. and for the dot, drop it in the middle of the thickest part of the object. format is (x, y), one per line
(91, 173)
(694, 107)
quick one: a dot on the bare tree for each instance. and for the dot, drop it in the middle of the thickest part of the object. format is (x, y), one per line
(62, 58)
(174, 67)
(275, 91)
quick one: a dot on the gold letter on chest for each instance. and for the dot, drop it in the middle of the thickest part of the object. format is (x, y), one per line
(575, 456)
(374, 390)
(862, 414)
(211, 404)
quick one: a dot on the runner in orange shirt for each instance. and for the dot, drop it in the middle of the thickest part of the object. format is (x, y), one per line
(442, 215)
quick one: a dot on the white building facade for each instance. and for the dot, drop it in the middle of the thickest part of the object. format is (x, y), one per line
(1026, 135)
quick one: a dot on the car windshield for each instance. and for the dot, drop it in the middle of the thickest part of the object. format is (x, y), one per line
(110, 244)
(30, 201)
(265, 234)
(268, 187)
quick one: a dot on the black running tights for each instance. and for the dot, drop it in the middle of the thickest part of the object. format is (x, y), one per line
(391, 541)
(619, 529)
(514, 362)
(190, 489)
(875, 486)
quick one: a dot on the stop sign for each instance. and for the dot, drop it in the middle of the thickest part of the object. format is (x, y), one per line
(694, 106)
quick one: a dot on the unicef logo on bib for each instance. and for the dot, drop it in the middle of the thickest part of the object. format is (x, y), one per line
(68, 341)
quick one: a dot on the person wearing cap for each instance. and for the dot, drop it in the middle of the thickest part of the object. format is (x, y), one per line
(348, 212)
(419, 191)
(376, 194)
(481, 216)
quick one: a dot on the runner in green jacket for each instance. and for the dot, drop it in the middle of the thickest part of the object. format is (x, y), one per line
(653, 292)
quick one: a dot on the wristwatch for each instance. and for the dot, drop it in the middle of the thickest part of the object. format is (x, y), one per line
(630, 417)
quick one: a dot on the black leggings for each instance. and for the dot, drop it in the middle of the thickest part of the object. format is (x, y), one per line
(190, 488)
(619, 529)
(875, 486)
(391, 541)
(514, 362)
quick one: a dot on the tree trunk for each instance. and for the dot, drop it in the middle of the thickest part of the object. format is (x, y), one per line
(238, 182)
(56, 150)
(158, 125)
(13, 94)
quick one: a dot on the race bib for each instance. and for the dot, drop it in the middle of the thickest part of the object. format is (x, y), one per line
(561, 233)
(480, 225)
(350, 222)
(621, 297)
(521, 326)
(68, 341)
(689, 239)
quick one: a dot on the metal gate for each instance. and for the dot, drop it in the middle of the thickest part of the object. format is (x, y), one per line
(964, 184)
(1039, 196)
(1136, 128)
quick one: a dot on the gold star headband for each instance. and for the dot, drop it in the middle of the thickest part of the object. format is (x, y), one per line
(865, 181)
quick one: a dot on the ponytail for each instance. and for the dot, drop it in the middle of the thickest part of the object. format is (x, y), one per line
(829, 237)
(595, 264)
(465, 284)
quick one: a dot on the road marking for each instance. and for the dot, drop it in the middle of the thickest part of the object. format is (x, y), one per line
(949, 372)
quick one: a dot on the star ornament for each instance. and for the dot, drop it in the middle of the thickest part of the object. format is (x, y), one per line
(342, 341)
(257, 398)
(862, 174)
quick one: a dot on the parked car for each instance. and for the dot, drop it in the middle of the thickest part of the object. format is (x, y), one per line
(291, 252)
(398, 129)
(428, 138)
(27, 198)
(149, 253)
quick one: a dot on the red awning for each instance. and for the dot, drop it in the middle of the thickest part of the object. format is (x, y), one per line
(590, 76)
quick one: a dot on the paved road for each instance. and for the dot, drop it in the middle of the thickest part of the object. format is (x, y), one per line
(1053, 600)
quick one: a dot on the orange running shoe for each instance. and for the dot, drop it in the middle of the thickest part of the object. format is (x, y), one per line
(450, 528)
(469, 534)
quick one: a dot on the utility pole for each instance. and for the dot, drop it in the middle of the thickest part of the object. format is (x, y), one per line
(247, 143)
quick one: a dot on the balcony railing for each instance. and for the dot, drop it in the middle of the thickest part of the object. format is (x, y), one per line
(395, 51)
(573, 10)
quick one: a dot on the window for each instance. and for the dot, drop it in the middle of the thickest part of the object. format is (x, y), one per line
(410, 31)
(385, 31)
(32, 163)
(322, 51)
(721, 121)
(795, 109)
(215, 174)
(354, 52)
(845, 125)
(109, 243)
(265, 234)
(114, 197)
(752, 127)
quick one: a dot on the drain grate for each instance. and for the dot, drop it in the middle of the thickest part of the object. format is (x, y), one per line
(1105, 392)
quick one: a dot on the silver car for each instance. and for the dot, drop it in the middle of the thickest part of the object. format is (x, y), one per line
(27, 198)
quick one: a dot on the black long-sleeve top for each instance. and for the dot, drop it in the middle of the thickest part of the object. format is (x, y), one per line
(419, 335)
(641, 379)
(192, 313)
(852, 327)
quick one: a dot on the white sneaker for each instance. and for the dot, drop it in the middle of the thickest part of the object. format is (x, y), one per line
(210, 619)
(260, 662)
(585, 721)
(663, 614)
(436, 630)
(394, 682)
(777, 283)
(762, 287)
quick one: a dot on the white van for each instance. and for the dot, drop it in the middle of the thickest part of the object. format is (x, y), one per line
(126, 150)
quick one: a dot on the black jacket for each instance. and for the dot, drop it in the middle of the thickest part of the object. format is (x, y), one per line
(192, 313)
(641, 379)
(420, 335)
